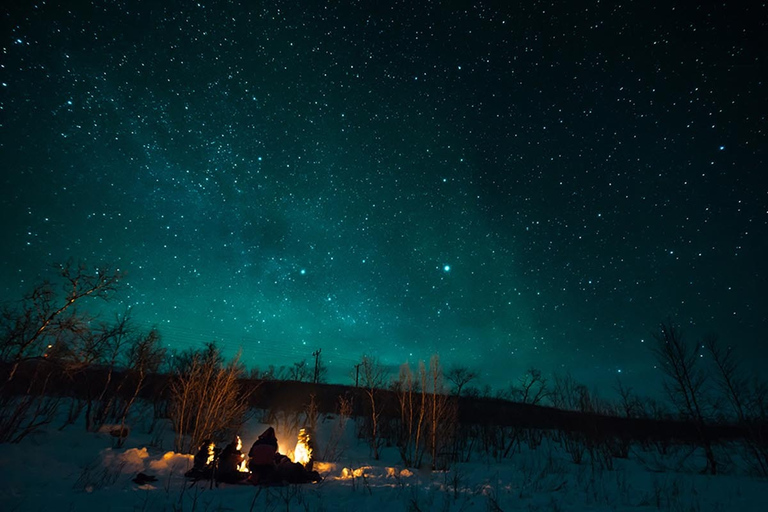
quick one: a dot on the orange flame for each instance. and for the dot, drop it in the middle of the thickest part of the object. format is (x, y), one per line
(303, 451)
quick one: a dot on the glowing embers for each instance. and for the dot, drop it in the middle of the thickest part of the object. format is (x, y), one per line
(374, 473)
(324, 467)
(347, 473)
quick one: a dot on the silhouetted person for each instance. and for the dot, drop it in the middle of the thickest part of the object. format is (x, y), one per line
(229, 463)
(204, 461)
(262, 457)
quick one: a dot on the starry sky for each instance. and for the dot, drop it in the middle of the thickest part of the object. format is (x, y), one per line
(506, 184)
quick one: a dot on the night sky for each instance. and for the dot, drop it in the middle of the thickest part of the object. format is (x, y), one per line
(506, 184)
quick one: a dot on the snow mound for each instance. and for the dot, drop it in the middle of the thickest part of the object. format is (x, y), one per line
(171, 462)
(128, 461)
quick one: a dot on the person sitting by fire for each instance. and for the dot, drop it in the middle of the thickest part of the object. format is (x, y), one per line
(268, 466)
(299, 471)
(263, 457)
(231, 468)
(204, 461)
(294, 473)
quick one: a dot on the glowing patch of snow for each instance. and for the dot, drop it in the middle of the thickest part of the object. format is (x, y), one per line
(325, 467)
(356, 473)
(171, 462)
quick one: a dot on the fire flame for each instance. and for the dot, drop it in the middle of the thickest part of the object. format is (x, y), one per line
(211, 454)
(303, 451)
(243, 464)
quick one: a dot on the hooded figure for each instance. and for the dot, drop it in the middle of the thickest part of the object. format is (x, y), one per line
(229, 463)
(263, 451)
(204, 461)
(262, 456)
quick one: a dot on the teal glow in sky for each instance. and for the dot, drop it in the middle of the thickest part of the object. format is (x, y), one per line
(507, 185)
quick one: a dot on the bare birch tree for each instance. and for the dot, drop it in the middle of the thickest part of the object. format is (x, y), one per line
(439, 410)
(412, 398)
(373, 376)
(207, 401)
(685, 383)
(746, 400)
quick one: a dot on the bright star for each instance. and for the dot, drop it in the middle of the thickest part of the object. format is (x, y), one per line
(446, 268)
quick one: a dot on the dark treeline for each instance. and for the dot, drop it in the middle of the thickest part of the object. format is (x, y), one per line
(295, 395)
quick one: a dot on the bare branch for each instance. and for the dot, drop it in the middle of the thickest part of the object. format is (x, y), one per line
(45, 319)
(460, 376)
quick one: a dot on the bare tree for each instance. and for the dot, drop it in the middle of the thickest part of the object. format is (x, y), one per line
(685, 382)
(629, 403)
(182, 362)
(25, 414)
(565, 393)
(268, 374)
(373, 376)
(439, 410)
(207, 401)
(532, 388)
(300, 371)
(45, 317)
(731, 380)
(145, 356)
(652, 408)
(745, 401)
(412, 399)
(460, 376)
(75, 352)
(99, 408)
(427, 413)
(47, 322)
(80, 346)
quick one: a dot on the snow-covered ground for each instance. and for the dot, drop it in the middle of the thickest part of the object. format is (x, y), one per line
(71, 469)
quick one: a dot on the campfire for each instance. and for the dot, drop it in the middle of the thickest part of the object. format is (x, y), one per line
(211, 453)
(303, 451)
(243, 466)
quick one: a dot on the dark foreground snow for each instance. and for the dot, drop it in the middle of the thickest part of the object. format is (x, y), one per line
(75, 470)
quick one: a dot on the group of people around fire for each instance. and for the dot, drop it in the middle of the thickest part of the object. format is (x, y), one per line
(266, 465)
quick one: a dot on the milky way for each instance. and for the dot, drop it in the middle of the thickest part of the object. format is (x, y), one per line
(505, 185)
